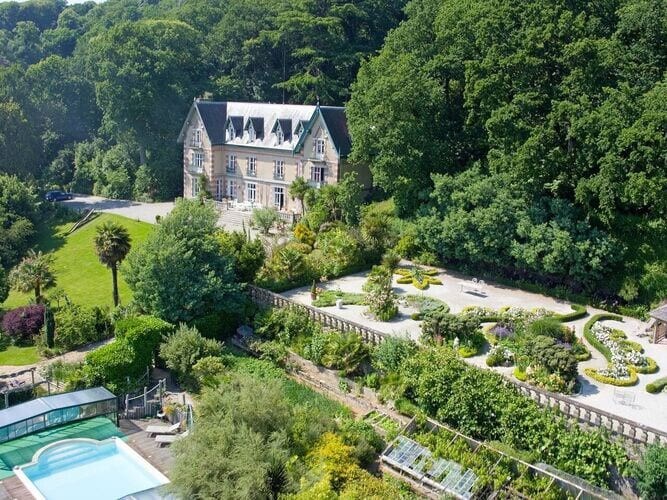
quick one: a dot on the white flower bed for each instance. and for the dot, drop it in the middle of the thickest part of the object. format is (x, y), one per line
(620, 356)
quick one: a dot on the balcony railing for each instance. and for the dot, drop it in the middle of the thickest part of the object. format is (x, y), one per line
(231, 169)
(251, 172)
(195, 169)
(317, 184)
(278, 175)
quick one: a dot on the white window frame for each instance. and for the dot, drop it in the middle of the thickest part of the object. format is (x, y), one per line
(280, 136)
(231, 163)
(198, 159)
(230, 131)
(252, 165)
(219, 189)
(320, 147)
(251, 133)
(197, 137)
(299, 168)
(231, 191)
(317, 173)
(279, 169)
(194, 186)
(279, 197)
(251, 187)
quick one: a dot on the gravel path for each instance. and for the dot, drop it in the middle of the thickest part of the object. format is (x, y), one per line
(70, 357)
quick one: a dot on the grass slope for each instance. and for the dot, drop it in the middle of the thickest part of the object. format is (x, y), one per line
(78, 271)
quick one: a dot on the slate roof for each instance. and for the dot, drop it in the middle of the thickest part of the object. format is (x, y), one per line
(660, 313)
(336, 122)
(214, 116)
(257, 124)
(264, 118)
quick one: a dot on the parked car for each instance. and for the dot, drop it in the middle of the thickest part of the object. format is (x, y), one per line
(58, 196)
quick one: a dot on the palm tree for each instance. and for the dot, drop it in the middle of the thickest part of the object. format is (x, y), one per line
(112, 244)
(298, 190)
(33, 273)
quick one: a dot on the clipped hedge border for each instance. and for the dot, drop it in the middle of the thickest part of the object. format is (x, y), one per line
(620, 382)
(578, 312)
(656, 386)
(583, 357)
(651, 366)
(520, 375)
(592, 340)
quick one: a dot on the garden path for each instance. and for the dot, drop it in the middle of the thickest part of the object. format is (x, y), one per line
(648, 409)
(69, 357)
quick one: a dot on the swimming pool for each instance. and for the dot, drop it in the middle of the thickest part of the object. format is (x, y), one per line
(81, 469)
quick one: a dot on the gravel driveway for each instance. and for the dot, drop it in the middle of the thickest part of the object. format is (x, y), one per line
(136, 210)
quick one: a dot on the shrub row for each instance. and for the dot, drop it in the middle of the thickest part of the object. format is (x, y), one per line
(578, 312)
(590, 337)
(657, 386)
(620, 382)
(651, 367)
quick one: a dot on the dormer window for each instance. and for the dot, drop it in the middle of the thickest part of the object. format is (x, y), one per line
(230, 131)
(283, 130)
(251, 133)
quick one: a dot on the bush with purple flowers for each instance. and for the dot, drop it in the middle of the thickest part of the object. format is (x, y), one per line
(23, 323)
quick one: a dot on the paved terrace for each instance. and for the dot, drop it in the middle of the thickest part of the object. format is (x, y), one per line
(647, 409)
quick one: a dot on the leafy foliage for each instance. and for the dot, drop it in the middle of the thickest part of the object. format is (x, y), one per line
(184, 348)
(380, 295)
(651, 473)
(180, 273)
(112, 244)
(33, 273)
(23, 323)
(78, 325)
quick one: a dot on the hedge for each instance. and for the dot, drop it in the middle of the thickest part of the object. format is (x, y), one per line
(620, 382)
(651, 367)
(578, 312)
(588, 334)
(657, 386)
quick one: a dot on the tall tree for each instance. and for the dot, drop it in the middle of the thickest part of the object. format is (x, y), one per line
(33, 273)
(112, 244)
(145, 75)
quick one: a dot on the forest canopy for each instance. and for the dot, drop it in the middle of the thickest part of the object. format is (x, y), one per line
(529, 137)
(92, 96)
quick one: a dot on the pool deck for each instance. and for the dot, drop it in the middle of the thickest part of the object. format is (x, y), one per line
(161, 458)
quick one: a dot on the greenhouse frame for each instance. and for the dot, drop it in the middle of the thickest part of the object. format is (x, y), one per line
(51, 411)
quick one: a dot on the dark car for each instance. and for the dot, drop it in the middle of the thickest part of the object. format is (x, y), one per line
(58, 196)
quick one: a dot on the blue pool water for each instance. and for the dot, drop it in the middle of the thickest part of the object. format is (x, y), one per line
(84, 470)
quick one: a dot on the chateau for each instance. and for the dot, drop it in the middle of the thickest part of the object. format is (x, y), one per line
(251, 152)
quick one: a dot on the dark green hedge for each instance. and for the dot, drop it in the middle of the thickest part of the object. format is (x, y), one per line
(591, 338)
(578, 312)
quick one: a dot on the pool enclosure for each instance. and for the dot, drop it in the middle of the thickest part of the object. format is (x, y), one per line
(51, 411)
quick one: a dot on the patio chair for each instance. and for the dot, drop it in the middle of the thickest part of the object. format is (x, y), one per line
(169, 438)
(162, 429)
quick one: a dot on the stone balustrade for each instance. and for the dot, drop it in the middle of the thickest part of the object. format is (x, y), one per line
(574, 410)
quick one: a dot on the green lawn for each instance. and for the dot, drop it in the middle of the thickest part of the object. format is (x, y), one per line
(19, 356)
(78, 271)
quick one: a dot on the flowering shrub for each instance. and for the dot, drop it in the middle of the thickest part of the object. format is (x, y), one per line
(23, 322)
(499, 355)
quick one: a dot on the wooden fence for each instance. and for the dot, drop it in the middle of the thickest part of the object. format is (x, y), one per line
(574, 410)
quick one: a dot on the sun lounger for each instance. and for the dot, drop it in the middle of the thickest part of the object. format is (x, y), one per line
(169, 438)
(163, 429)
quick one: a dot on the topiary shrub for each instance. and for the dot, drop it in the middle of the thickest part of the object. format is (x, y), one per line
(23, 323)
(590, 337)
(657, 386)
(144, 334)
(626, 379)
(578, 312)
(112, 365)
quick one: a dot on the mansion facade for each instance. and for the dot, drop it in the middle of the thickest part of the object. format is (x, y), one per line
(251, 152)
